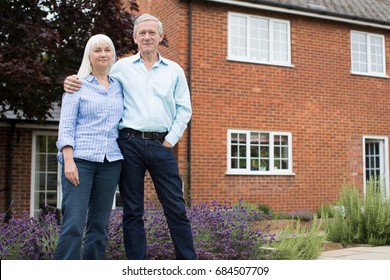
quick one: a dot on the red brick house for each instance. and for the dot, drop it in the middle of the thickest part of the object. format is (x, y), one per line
(290, 100)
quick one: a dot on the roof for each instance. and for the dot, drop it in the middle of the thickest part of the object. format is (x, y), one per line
(55, 114)
(372, 11)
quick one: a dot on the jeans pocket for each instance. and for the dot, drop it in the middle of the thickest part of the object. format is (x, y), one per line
(123, 135)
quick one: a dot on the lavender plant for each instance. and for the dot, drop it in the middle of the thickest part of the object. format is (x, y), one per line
(25, 238)
(220, 232)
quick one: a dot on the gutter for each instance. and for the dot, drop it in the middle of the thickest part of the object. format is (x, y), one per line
(298, 10)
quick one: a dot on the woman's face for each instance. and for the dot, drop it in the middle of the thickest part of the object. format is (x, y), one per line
(101, 56)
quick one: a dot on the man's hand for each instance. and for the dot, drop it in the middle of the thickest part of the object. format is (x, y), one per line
(167, 144)
(72, 83)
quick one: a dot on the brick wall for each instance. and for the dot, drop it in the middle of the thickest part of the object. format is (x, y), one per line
(326, 109)
(21, 168)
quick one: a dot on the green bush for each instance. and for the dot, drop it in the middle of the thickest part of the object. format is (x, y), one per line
(299, 243)
(360, 219)
(326, 210)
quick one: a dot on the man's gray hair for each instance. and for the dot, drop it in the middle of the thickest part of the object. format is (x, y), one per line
(146, 17)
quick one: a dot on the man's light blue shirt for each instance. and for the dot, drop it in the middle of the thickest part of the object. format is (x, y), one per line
(155, 101)
(89, 121)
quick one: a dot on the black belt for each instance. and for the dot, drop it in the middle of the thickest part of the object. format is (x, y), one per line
(146, 135)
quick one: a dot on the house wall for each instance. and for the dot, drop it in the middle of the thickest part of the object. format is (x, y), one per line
(21, 168)
(318, 100)
(327, 109)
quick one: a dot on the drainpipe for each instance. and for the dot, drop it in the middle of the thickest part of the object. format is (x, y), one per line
(189, 85)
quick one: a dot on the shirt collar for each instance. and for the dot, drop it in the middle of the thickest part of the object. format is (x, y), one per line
(137, 58)
(91, 78)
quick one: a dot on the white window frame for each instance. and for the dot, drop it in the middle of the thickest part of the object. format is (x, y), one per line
(272, 170)
(384, 159)
(369, 38)
(33, 166)
(271, 40)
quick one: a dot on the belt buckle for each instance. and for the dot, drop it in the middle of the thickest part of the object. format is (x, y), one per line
(143, 136)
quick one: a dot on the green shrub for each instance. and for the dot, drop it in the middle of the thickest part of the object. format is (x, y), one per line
(266, 209)
(360, 219)
(326, 210)
(299, 243)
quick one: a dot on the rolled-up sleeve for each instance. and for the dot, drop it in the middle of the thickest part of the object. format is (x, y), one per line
(183, 109)
(69, 110)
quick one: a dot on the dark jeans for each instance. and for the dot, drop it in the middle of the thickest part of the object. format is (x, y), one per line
(141, 155)
(90, 201)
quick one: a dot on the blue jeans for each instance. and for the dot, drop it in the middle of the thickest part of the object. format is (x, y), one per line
(89, 204)
(141, 155)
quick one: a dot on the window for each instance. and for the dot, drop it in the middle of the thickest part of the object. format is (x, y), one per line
(368, 54)
(376, 162)
(117, 202)
(45, 173)
(257, 152)
(258, 39)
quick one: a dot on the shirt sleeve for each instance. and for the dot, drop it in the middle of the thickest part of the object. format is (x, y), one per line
(67, 127)
(183, 109)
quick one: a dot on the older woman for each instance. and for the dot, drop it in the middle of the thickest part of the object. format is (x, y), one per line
(90, 157)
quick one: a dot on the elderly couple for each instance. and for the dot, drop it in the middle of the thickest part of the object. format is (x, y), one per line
(148, 96)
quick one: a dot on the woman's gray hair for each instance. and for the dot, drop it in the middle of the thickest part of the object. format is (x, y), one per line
(146, 17)
(86, 67)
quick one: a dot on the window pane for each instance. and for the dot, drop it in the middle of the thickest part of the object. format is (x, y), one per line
(264, 165)
(255, 164)
(276, 164)
(52, 182)
(41, 144)
(255, 151)
(280, 41)
(51, 144)
(259, 39)
(359, 52)
(285, 152)
(264, 152)
(234, 163)
(242, 151)
(238, 35)
(234, 150)
(376, 54)
(40, 162)
(51, 199)
(52, 163)
(242, 164)
(276, 152)
(40, 181)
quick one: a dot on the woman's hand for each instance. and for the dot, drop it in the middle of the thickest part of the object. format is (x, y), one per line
(70, 167)
(71, 172)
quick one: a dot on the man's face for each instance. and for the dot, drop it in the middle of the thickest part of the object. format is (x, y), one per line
(147, 37)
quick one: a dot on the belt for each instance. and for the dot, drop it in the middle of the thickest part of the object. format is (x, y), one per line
(146, 135)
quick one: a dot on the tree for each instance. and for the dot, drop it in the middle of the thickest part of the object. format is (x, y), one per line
(42, 41)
